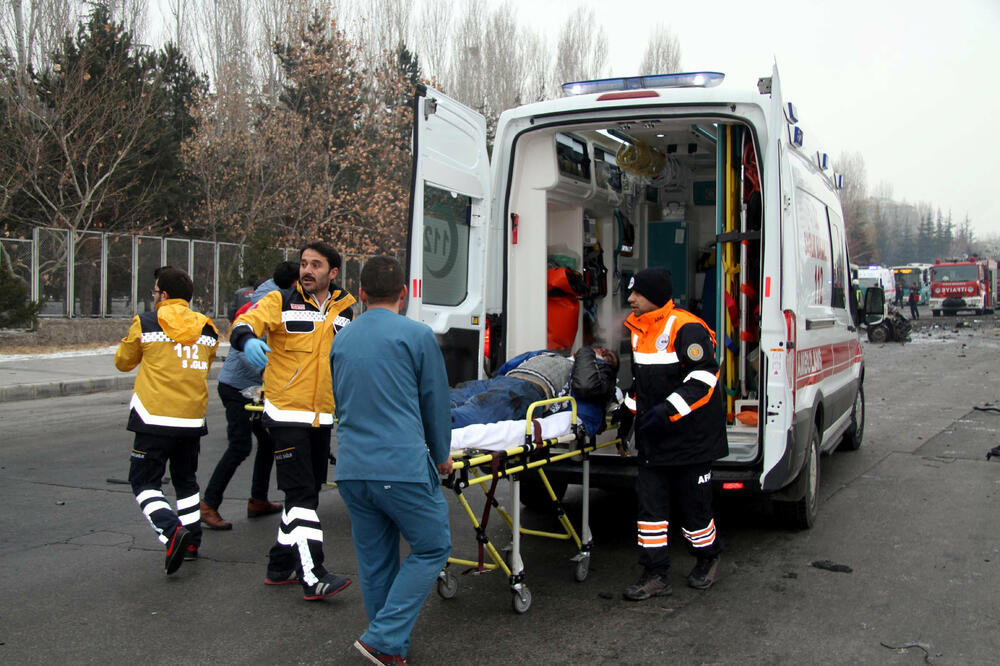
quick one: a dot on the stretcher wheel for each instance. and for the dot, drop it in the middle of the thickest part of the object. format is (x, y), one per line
(447, 585)
(582, 569)
(521, 601)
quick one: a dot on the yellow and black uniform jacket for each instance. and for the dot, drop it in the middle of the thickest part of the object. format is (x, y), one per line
(298, 389)
(673, 363)
(174, 347)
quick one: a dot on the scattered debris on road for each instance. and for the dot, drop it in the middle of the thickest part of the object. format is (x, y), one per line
(830, 565)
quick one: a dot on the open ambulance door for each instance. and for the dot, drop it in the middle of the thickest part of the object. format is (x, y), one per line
(781, 268)
(449, 212)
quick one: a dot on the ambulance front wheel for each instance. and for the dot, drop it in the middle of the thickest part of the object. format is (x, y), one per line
(447, 585)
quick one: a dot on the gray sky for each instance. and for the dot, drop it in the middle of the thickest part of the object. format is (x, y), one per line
(911, 85)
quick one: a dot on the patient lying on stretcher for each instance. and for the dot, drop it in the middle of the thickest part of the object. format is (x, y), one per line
(589, 377)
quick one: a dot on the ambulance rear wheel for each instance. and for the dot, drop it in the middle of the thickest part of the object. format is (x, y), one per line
(801, 514)
(855, 431)
(447, 585)
(521, 600)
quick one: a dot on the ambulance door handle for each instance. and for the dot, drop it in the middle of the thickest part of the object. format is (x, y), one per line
(826, 322)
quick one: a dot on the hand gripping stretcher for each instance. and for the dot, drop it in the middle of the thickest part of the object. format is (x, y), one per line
(545, 440)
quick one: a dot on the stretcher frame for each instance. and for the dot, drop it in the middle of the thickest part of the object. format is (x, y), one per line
(479, 468)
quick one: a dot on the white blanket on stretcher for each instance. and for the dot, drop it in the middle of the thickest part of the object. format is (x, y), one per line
(507, 434)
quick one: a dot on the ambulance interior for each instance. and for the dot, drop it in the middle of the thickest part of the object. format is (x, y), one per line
(618, 197)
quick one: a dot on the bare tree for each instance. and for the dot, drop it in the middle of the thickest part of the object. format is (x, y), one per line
(464, 80)
(180, 32)
(34, 29)
(860, 217)
(131, 14)
(582, 50)
(77, 145)
(223, 46)
(663, 53)
(378, 26)
(432, 33)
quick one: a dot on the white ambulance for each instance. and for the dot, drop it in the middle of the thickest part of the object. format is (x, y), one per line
(720, 184)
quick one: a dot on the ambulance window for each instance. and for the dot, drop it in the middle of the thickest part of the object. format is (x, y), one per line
(839, 273)
(446, 246)
(814, 248)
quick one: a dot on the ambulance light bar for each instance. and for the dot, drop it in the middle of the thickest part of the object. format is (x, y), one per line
(680, 80)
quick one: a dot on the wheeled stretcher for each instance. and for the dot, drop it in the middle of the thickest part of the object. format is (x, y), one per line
(487, 460)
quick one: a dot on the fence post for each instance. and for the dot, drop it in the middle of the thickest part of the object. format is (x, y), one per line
(135, 274)
(104, 275)
(35, 233)
(70, 309)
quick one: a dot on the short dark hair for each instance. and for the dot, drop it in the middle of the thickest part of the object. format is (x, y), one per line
(157, 271)
(332, 256)
(382, 279)
(175, 282)
(285, 274)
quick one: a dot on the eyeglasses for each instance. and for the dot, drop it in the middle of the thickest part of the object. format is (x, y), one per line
(156, 291)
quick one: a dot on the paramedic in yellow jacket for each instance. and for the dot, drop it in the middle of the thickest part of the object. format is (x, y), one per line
(299, 324)
(174, 348)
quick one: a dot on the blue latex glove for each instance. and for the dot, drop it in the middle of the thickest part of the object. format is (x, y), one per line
(255, 351)
(654, 418)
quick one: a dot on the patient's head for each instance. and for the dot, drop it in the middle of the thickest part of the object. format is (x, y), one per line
(607, 356)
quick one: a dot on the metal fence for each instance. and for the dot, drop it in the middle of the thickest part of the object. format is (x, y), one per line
(94, 274)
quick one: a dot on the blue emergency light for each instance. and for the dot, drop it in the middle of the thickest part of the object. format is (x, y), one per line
(680, 80)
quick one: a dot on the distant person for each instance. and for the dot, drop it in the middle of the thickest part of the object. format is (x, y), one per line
(914, 300)
(241, 297)
(239, 385)
(300, 324)
(393, 439)
(174, 348)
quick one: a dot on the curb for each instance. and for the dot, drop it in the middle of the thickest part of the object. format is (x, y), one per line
(20, 392)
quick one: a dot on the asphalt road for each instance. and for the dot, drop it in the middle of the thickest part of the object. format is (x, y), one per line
(913, 514)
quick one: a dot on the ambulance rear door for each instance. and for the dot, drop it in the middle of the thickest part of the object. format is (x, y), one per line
(449, 210)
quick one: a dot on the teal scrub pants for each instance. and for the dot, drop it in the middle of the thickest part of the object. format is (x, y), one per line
(393, 592)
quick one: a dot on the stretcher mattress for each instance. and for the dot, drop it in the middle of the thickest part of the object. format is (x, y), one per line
(507, 434)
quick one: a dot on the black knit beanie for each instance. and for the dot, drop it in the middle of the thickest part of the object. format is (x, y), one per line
(653, 283)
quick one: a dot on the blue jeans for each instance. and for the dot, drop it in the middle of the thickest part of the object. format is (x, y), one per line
(501, 398)
(380, 512)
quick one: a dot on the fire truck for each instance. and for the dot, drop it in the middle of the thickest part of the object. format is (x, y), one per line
(967, 284)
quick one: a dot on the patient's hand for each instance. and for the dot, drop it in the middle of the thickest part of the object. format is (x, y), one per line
(444, 469)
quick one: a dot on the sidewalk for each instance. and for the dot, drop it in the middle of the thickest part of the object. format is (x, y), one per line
(33, 376)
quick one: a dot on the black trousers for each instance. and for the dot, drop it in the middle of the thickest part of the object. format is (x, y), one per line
(301, 456)
(150, 456)
(240, 425)
(685, 490)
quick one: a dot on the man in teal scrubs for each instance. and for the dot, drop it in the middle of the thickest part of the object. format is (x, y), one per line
(393, 439)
